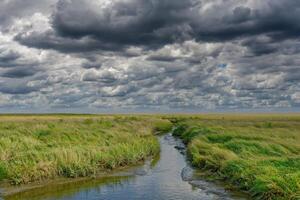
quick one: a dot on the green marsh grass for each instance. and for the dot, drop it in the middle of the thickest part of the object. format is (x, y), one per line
(38, 147)
(258, 153)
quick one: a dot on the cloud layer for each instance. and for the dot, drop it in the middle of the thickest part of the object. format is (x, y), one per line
(149, 55)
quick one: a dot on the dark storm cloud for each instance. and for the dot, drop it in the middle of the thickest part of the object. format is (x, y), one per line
(84, 25)
(8, 56)
(204, 54)
(14, 65)
(19, 72)
(125, 22)
(91, 64)
(49, 40)
(258, 47)
(271, 19)
(16, 88)
(162, 58)
(81, 25)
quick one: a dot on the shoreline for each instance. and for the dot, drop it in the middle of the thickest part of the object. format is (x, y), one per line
(8, 191)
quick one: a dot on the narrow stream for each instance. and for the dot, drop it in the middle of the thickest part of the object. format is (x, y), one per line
(170, 177)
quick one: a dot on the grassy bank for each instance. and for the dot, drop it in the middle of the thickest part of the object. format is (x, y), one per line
(258, 153)
(33, 148)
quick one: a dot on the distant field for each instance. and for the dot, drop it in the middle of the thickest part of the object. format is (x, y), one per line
(258, 153)
(37, 147)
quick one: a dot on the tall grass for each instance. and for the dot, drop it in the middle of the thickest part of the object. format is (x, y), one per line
(258, 153)
(34, 148)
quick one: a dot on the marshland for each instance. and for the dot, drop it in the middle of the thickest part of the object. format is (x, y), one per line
(255, 154)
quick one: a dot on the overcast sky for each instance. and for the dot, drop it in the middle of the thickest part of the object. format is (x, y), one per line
(149, 55)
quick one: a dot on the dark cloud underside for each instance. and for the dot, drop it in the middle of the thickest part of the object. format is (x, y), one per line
(150, 55)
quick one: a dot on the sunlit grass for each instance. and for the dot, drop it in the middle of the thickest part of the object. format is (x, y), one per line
(258, 153)
(33, 147)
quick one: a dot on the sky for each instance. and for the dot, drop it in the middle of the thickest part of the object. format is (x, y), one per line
(149, 55)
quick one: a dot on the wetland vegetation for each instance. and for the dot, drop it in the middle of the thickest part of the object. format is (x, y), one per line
(259, 153)
(34, 148)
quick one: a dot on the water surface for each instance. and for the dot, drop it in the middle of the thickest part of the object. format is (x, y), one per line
(170, 177)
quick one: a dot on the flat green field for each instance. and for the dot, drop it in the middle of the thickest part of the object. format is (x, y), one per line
(258, 153)
(38, 147)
